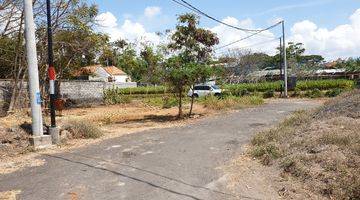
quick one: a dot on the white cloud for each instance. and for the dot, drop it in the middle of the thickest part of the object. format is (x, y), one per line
(152, 11)
(228, 35)
(129, 30)
(295, 6)
(342, 41)
(107, 20)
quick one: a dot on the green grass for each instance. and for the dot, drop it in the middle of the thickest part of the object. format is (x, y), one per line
(161, 102)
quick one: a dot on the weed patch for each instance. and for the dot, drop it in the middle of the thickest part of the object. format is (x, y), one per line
(83, 130)
(320, 148)
(228, 102)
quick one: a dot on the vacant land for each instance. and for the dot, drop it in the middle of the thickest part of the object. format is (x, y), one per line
(314, 154)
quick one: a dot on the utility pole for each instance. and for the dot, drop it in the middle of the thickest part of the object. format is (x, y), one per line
(38, 139)
(53, 130)
(285, 61)
(281, 65)
(51, 69)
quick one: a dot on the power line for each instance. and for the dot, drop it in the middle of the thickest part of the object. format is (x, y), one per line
(247, 37)
(193, 8)
(196, 10)
(256, 44)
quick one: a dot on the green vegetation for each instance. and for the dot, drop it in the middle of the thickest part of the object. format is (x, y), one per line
(310, 89)
(115, 96)
(141, 90)
(238, 89)
(325, 84)
(161, 102)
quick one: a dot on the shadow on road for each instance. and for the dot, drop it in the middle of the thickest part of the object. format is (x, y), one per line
(141, 180)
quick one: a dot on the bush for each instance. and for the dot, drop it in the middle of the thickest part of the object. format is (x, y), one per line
(333, 93)
(269, 94)
(246, 88)
(315, 93)
(114, 96)
(325, 84)
(169, 102)
(242, 88)
(161, 102)
(143, 90)
(83, 130)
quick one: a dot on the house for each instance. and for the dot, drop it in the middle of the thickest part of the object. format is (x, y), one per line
(116, 75)
(101, 73)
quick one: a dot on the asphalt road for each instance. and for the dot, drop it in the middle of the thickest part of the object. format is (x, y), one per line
(166, 164)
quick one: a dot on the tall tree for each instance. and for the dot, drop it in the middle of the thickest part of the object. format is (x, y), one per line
(192, 47)
(151, 60)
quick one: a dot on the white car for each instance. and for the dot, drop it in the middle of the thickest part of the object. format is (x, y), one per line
(205, 90)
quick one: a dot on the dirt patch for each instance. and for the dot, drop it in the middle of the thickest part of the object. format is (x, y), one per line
(9, 195)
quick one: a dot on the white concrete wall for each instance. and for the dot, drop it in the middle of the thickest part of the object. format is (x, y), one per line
(122, 78)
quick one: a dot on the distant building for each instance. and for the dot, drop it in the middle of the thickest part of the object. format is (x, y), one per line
(100, 73)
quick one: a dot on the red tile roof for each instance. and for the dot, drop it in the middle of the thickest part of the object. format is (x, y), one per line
(112, 70)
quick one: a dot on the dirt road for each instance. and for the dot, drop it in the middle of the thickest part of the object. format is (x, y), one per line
(174, 163)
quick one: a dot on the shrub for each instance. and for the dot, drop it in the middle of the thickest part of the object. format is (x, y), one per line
(245, 88)
(315, 93)
(325, 84)
(114, 96)
(240, 89)
(169, 102)
(161, 102)
(333, 93)
(83, 130)
(269, 94)
(143, 90)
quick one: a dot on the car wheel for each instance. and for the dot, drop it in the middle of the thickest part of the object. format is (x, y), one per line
(196, 95)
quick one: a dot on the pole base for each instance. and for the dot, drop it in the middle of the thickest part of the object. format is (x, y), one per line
(54, 132)
(41, 142)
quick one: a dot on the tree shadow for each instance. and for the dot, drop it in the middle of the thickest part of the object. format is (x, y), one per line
(149, 172)
(157, 119)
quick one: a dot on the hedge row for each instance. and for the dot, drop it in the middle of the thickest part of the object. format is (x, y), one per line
(243, 88)
(141, 90)
(325, 84)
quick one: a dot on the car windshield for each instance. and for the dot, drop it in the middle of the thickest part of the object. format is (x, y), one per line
(215, 87)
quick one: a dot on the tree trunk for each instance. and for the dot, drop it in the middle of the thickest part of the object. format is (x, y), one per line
(180, 115)
(192, 102)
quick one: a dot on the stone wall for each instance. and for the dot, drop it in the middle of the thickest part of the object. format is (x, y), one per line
(89, 90)
(77, 91)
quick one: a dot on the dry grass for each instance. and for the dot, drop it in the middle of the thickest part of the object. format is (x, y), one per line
(230, 102)
(320, 148)
(83, 130)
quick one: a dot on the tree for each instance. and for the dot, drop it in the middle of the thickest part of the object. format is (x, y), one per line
(151, 60)
(192, 47)
(130, 63)
(75, 42)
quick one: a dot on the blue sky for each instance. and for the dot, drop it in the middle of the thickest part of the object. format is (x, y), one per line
(325, 14)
